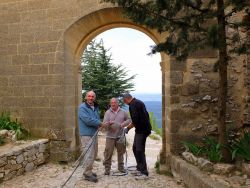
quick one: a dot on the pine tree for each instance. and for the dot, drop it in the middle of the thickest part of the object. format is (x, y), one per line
(194, 25)
(102, 76)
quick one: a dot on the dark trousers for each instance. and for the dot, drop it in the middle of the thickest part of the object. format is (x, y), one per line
(139, 152)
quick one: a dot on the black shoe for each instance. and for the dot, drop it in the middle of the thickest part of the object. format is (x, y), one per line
(107, 173)
(91, 178)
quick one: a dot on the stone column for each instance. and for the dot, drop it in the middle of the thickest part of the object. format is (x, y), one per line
(163, 150)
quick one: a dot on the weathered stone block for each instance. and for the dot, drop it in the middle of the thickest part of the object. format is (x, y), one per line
(223, 169)
(33, 5)
(56, 69)
(34, 91)
(12, 39)
(34, 16)
(56, 101)
(61, 23)
(3, 81)
(19, 159)
(35, 69)
(182, 114)
(189, 89)
(47, 47)
(10, 18)
(5, 91)
(175, 126)
(53, 91)
(63, 12)
(174, 90)
(5, 59)
(176, 77)
(10, 70)
(28, 48)
(42, 58)
(178, 66)
(12, 49)
(27, 38)
(36, 80)
(14, 28)
(174, 99)
(20, 59)
(29, 167)
(3, 161)
(56, 134)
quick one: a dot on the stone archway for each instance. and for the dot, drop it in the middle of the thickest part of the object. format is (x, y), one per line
(76, 38)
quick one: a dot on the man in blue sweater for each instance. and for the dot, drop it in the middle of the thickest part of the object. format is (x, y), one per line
(89, 122)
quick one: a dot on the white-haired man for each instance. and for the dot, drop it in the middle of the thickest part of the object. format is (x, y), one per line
(115, 118)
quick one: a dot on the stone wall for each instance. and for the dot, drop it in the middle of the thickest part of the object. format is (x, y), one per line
(23, 158)
(192, 109)
(33, 68)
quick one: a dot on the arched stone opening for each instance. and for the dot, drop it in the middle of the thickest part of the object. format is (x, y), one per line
(76, 38)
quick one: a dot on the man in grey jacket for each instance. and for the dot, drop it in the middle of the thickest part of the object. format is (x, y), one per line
(89, 122)
(115, 118)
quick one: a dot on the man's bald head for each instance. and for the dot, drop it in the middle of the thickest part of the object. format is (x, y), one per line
(90, 97)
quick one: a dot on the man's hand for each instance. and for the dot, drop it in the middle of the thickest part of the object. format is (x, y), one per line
(102, 125)
(126, 129)
(123, 125)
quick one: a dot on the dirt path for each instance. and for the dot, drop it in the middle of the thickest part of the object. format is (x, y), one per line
(53, 175)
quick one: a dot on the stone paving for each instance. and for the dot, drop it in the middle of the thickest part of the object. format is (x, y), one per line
(54, 175)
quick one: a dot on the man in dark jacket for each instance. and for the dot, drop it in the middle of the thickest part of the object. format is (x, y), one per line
(140, 120)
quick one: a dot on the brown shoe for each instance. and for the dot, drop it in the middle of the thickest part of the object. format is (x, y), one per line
(122, 170)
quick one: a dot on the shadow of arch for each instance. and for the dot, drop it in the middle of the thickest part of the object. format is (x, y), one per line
(76, 38)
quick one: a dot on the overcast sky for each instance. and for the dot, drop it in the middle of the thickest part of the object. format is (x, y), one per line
(130, 47)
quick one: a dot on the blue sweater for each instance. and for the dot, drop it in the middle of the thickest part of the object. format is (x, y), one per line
(88, 120)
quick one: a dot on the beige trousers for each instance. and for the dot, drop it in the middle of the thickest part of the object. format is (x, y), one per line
(90, 155)
(112, 143)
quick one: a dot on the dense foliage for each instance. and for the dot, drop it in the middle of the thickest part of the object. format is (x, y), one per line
(102, 76)
(7, 124)
(241, 147)
(209, 149)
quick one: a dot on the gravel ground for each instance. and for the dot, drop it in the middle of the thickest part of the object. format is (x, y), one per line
(52, 175)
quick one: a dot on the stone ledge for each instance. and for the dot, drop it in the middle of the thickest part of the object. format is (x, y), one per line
(192, 176)
(23, 158)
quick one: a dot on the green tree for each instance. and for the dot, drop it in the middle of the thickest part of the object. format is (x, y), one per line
(102, 76)
(194, 25)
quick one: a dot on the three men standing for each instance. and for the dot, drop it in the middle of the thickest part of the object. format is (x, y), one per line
(115, 120)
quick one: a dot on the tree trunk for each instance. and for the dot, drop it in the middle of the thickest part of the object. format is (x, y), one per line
(223, 61)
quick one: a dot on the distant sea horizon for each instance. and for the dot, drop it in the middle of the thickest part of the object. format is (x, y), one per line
(153, 103)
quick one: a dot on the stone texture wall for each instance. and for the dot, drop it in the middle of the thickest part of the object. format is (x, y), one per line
(193, 103)
(23, 158)
(32, 64)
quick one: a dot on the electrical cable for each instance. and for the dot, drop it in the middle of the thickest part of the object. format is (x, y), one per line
(80, 159)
